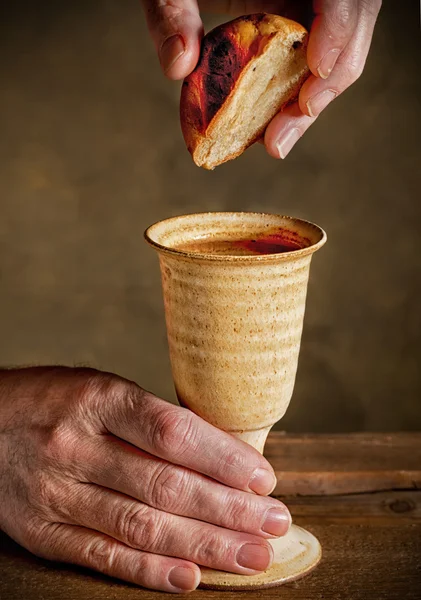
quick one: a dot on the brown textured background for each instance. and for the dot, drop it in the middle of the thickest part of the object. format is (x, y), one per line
(91, 153)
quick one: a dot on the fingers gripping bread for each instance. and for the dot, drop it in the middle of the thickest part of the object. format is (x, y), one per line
(249, 69)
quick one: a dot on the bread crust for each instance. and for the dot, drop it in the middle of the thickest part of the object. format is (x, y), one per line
(225, 52)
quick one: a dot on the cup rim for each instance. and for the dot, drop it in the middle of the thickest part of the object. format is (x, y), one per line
(284, 256)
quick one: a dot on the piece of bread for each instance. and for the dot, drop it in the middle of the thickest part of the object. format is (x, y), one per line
(249, 69)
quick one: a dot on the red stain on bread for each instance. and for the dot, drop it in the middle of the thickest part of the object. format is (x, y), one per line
(222, 59)
(221, 62)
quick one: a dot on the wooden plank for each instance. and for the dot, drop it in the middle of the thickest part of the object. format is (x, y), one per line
(344, 463)
(380, 508)
(374, 558)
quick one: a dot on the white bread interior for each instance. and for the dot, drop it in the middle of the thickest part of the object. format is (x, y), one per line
(268, 82)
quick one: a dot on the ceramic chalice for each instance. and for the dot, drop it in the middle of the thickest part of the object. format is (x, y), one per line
(234, 287)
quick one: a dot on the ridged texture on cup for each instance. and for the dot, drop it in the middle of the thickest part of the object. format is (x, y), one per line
(234, 323)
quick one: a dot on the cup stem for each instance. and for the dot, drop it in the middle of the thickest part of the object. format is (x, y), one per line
(256, 438)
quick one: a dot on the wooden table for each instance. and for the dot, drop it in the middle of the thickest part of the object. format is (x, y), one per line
(359, 494)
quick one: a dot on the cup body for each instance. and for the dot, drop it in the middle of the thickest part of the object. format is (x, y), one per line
(234, 320)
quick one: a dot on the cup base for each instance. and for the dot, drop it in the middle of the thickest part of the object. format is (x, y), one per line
(296, 554)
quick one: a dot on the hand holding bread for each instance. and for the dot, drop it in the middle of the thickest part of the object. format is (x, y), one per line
(338, 44)
(249, 69)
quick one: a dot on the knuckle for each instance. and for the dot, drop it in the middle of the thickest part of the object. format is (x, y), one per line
(65, 450)
(100, 554)
(342, 17)
(118, 388)
(371, 7)
(127, 396)
(42, 493)
(141, 527)
(103, 385)
(174, 432)
(237, 510)
(212, 549)
(57, 443)
(144, 569)
(171, 11)
(123, 398)
(132, 397)
(164, 16)
(352, 67)
(168, 487)
(232, 461)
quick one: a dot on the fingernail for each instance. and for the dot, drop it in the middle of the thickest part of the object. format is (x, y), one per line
(327, 63)
(277, 522)
(287, 141)
(182, 578)
(262, 482)
(319, 102)
(170, 52)
(255, 556)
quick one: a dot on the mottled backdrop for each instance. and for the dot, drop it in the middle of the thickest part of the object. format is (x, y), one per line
(91, 153)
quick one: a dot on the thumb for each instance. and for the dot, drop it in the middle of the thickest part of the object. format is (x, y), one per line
(176, 29)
